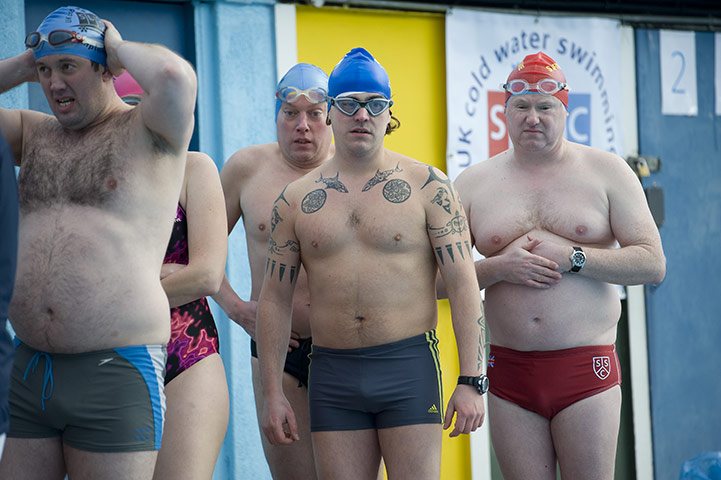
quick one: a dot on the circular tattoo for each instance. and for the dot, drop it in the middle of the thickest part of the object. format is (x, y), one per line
(397, 191)
(314, 201)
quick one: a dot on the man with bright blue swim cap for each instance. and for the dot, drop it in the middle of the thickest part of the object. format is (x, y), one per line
(98, 189)
(372, 228)
(253, 178)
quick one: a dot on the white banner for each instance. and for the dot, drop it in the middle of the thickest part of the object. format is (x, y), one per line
(481, 50)
(677, 51)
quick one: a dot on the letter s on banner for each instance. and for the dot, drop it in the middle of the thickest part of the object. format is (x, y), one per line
(497, 130)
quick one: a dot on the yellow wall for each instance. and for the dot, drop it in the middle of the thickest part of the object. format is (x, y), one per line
(411, 47)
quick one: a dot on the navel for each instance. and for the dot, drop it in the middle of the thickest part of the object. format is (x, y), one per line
(581, 230)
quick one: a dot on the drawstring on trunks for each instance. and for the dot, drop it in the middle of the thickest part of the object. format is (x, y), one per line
(48, 378)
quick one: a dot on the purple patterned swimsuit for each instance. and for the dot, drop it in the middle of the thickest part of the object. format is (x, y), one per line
(193, 335)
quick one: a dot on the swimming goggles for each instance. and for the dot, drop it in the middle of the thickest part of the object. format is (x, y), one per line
(547, 86)
(291, 94)
(60, 37)
(350, 106)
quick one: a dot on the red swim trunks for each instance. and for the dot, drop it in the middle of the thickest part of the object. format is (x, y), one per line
(546, 382)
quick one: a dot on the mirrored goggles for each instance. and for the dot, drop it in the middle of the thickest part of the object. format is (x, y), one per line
(60, 37)
(350, 106)
(547, 86)
(291, 94)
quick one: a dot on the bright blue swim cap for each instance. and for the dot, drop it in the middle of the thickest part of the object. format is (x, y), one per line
(78, 20)
(302, 76)
(358, 71)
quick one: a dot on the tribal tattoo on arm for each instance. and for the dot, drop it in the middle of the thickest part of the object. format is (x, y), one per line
(279, 250)
(481, 337)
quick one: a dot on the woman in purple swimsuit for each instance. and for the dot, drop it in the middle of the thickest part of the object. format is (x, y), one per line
(195, 385)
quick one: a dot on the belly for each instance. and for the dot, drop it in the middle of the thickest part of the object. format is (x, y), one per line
(86, 285)
(577, 311)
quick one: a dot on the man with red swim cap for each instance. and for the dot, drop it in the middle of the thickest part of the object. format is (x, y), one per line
(98, 189)
(547, 214)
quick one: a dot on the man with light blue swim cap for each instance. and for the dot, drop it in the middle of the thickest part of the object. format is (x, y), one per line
(98, 189)
(302, 79)
(359, 72)
(253, 178)
(70, 30)
(372, 228)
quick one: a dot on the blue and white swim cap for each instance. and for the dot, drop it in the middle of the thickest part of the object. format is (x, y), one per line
(302, 76)
(358, 71)
(80, 21)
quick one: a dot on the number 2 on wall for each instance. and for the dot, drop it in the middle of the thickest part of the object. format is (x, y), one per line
(675, 88)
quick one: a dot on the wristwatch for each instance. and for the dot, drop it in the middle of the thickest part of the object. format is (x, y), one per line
(480, 382)
(578, 260)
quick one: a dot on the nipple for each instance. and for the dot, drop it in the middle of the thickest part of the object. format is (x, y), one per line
(314, 244)
(397, 238)
(261, 226)
(112, 184)
(496, 239)
(581, 230)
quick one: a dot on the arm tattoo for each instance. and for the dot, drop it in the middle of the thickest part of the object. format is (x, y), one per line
(276, 249)
(275, 217)
(282, 197)
(451, 253)
(333, 182)
(380, 177)
(455, 226)
(481, 335)
(282, 267)
(314, 201)
(433, 177)
(397, 191)
(442, 199)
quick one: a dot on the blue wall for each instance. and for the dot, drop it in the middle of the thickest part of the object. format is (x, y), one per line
(684, 312)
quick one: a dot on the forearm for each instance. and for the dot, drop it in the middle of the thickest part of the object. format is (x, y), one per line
(154, 66)
(234, 306)
(189, 284)
(630, 265)
(17, 70)
(273, 325)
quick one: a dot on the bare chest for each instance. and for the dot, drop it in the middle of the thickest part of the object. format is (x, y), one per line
(578, 214)
(384, 220)
(80, 169)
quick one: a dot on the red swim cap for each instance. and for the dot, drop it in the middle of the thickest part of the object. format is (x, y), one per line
(536, 67)
(125, 85)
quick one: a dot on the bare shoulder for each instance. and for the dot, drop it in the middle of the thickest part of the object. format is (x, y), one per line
(482, 172)
(249, 160)
(199, 163)
(605, 163)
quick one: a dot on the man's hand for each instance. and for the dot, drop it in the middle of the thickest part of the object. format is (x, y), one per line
(278, 422)
(112, 43)
(243, 313)
(469, 409)
(527, 266)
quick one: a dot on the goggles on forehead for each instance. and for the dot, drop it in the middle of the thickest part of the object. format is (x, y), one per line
(547, 86)
(350, 106)
(291, 94)
(59, 37)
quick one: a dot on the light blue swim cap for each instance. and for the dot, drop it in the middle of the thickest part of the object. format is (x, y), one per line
(301, 76)
(358, 71)
(78, 20)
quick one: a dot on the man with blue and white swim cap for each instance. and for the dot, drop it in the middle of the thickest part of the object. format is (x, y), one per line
(253, 178)
(98, 188)
(372, 228)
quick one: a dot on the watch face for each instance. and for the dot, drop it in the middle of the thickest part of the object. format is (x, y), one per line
(578, 259)
(483, 385)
